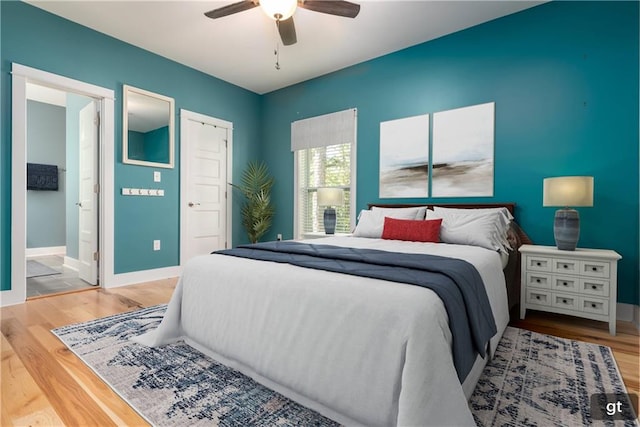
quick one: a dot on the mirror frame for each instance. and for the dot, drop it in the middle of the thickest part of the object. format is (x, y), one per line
(126, 89)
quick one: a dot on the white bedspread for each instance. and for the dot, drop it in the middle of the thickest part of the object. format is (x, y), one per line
(359, 350)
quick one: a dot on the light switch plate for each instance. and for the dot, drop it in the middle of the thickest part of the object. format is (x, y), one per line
(156, 245)
(157, 176)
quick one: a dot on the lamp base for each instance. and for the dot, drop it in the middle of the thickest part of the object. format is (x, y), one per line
(566, 229)
(329, 221)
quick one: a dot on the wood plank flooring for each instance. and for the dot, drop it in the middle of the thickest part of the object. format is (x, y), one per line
(43, 383)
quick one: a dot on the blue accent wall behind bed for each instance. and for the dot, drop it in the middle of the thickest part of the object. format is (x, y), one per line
(564, 77)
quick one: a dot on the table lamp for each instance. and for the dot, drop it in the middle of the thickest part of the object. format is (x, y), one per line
(567, 191)
(330, 197)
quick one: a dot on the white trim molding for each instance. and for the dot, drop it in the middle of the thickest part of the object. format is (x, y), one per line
(51, 250)
(143, 276)
(629, 313)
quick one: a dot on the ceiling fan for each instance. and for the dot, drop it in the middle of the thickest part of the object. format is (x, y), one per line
(282, 11)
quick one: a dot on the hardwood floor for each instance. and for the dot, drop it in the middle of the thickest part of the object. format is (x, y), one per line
(43, 383)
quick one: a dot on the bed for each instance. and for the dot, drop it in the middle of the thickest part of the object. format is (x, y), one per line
(359, 350)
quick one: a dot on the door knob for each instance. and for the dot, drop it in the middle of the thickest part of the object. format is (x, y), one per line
(192, 204)
(79, 204)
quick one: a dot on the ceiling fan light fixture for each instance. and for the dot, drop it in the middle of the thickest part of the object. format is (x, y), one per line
(279, 10)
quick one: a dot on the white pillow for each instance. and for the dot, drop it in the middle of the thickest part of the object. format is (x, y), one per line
(486, 228)
(417, 212)
(369, 225)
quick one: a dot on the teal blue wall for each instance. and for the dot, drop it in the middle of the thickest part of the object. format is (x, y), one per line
(564, 77)
(35, 38)
(46, 140)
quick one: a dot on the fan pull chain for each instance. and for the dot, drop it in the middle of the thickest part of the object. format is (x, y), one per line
(276, 52)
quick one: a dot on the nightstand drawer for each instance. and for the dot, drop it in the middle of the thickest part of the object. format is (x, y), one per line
(570, 302)
(565, 283)
(536, 263)
(538, 297)
(595, 305)
(566, 266)
(594, 269)
(538, 280)
(594, 287)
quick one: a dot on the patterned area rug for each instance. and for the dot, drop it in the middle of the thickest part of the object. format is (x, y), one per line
(533, 380)
(541, 380)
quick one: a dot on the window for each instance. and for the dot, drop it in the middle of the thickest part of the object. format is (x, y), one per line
(320, 162)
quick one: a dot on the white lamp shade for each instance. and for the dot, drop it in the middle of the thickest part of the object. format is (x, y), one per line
(330, 196)
(279, 9)
(568, 191)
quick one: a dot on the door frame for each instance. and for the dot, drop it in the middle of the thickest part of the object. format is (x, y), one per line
(185, 116)
(21, 75)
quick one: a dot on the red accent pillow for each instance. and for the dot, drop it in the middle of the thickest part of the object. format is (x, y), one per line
(412, 230)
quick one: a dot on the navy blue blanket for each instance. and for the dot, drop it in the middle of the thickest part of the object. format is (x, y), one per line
(456, 282)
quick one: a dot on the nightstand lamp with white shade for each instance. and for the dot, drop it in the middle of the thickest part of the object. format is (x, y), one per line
(567, 192)
(330, 197)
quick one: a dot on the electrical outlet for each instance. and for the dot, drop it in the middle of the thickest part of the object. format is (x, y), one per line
(156, 245)
(157, 176)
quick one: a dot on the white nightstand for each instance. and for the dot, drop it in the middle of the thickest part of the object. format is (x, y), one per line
(578, 283)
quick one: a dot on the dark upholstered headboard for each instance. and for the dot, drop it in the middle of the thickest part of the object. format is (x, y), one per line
(516, 238)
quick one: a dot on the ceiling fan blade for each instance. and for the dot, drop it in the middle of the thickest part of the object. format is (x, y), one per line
(287, 31)
(230, 9)
(332, 7)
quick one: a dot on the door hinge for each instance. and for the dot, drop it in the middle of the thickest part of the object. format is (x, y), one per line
(96, 121)
(96, 188)
(225, 194)
(96, 256)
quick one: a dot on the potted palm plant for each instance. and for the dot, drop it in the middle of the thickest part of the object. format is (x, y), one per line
(257, 210)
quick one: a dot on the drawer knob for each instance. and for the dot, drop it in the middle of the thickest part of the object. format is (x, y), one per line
(538, 263)
(565, 266)
(594, 287)
(537, 296)
(538, 280)
(564, 301)
(594, 268)
(565, 284)
(593, 306)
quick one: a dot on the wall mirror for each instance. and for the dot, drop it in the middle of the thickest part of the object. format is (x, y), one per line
(148, 128)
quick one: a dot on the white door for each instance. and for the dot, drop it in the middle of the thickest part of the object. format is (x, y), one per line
(88, 197)
(204, 146)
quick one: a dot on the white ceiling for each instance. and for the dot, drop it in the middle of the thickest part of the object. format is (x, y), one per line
(240, 48)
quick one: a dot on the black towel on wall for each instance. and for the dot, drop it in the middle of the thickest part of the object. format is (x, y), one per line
(42, 177)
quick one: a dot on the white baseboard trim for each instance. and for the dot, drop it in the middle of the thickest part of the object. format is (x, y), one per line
(71, 263)
(628, 313)
(51, 250)
(124, 279)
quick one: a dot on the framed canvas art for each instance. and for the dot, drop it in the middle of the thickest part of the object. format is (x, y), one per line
(404, 157)
(463, 152)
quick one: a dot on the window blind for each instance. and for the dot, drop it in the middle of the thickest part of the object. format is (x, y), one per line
(321, 131)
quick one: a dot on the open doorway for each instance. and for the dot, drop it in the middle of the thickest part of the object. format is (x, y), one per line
(21, 75)
(62, 213)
